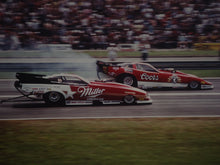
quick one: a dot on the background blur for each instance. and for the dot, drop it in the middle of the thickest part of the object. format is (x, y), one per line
(95, 24)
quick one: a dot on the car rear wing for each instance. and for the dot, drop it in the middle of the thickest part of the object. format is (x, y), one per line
(102, 67)
(31, 78)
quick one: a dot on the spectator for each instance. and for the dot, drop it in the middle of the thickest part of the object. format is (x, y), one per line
(112, 52)
(144, 51)
(182, 41)
(144, 54)
(7, 41)
(15, 43)
(108, 21)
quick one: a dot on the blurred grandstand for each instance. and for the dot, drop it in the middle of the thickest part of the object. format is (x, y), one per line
(94, 24)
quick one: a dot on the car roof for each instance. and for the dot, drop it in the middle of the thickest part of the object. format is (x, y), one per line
(145, 64)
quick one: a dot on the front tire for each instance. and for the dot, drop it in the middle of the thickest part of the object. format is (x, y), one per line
(128, 80)
(194, 85)
(54, 98)
(129, 99)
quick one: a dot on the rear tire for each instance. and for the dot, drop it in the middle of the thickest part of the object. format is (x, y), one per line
(54, 98)
(129, 99)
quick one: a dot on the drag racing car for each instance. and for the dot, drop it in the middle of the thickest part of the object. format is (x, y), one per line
(144, 75)
(68, 89)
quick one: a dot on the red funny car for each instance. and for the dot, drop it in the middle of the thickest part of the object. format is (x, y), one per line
(144, 75)
(72, 89)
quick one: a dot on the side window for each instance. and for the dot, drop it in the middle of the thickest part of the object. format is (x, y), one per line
(57, 79)
(145, 68)
(130, 66)
(74, 81)
(139, 67)
(148, 68)
(127, 65)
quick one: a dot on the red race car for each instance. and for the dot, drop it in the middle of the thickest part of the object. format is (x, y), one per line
(144, 75)
(72, 89)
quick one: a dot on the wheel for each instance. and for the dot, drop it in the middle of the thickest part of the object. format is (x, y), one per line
(194, 85)
(128, 80)
(55, 98)
(129, 99)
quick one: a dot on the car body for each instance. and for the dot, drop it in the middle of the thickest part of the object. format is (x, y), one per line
(72, 89)
(144, 75)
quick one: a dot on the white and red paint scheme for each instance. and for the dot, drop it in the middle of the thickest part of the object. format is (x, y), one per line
(72, 89)
(144, 75)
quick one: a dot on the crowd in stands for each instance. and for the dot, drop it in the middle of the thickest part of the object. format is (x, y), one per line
(95, 24)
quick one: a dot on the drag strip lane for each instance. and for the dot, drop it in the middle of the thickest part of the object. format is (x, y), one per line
(172, 105)
(166, 103)
(154, 94)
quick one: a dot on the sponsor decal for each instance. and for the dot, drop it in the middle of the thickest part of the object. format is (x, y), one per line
(58, 87)
(69, 94)
(92, 92)
(41, 89)
(145, 76)
(174, 79)
(94, 99)
(38, 90)
(115, 68)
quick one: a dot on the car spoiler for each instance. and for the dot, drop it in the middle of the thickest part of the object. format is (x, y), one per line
(102, 65)
(31, 78)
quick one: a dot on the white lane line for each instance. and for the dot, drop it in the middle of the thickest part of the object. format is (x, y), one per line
(206, 78)
(115, 117)
(8, 80)
(151, 94)
(184, 94)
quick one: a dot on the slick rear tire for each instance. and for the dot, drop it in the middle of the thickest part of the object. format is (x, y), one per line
(128, 80)
(129, 99)
(194, 85)
(54, 98)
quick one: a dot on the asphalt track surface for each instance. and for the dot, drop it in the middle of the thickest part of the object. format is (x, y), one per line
(166, 103)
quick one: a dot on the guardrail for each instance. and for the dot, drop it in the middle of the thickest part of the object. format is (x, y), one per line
(27, 67)
(183, 65)
(207, 46)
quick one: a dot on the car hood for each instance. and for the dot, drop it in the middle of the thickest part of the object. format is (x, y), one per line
(177, 72)
(109, 84)
(117, 85)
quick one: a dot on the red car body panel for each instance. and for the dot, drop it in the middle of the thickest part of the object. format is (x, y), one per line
(104, 91)
(73, 89)
(145, 75)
